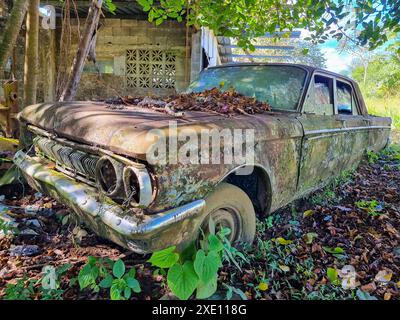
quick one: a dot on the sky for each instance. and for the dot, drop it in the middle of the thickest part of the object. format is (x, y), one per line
(336, 60)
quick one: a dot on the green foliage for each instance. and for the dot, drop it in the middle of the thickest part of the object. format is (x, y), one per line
(11, 176)
(165, 258)
(328, 195)
(47, 287)
(337, 252)
(247, 19)
(195, 270)
(23, 289)
(392, 153)
(104, 273)
(110, 6)
(372, 157)
(381, 90)
(231, 290)
(364, 295)
(372, 207)
(332, 275)
(7, 228)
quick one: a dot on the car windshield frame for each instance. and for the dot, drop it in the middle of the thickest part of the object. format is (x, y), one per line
(297, 105)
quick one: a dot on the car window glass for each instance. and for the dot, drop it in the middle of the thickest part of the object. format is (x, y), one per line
(344, 98)
(279, 85)
(320, 97)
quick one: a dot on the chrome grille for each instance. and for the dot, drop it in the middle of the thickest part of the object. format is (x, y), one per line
(76, 161)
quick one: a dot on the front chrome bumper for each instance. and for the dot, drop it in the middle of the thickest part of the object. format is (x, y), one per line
(142, 234)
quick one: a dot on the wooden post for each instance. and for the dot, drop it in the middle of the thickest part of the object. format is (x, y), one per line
(31, 65)
(31, 53)
(85, 42)
(48, 64)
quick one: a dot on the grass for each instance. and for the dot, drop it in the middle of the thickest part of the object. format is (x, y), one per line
(386, 107)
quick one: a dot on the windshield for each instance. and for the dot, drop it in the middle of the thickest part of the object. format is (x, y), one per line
(279, 85)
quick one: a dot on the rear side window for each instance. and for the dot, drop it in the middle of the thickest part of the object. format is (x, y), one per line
(320, 97)
(345, 99)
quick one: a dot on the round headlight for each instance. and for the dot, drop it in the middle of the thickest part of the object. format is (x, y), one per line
(132, 186)
(109, 177)
(138, 187)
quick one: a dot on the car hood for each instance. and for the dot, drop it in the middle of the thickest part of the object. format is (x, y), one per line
(125, 130)
(121, 130)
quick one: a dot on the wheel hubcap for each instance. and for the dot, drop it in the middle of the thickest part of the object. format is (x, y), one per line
(224, 218)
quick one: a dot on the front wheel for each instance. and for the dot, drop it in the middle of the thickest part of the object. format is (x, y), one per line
(230, 207)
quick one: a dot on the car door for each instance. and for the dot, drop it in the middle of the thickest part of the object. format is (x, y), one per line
(322, 142)
(355, 124)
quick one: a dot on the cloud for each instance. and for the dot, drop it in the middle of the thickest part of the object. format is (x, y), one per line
(337, 61)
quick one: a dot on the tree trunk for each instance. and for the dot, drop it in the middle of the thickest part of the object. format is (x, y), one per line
(31, 63)
(31, 53)
(11, 30)
(85, 42)
(365, 72)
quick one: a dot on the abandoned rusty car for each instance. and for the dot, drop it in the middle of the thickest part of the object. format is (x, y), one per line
(317, 128)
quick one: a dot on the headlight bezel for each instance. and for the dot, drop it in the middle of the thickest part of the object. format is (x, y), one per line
(117, 191)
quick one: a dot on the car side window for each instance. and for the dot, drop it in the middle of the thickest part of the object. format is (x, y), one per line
(320, 96)
(346, 101)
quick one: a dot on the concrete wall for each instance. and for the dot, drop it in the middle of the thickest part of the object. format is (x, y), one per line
(115, 37)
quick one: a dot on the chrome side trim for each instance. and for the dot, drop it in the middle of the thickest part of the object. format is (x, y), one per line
(337, 130)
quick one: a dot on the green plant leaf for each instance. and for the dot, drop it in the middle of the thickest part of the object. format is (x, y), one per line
(206, 290)
(364, 295)
(85, 277)
(310, 237)
(159, 21)
(115, 293)
(10, 176)
(165, 258)
(106, 282)
(308, 213)
(182, 280)
(131, 273)
(127, 292)
(214, 243)
(332, 275)
(336, 250)
(189, 252)
(283, 241)
(134, 285)
(206, 266)
(119, 269)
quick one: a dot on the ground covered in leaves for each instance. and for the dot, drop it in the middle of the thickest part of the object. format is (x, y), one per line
(341, 243)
